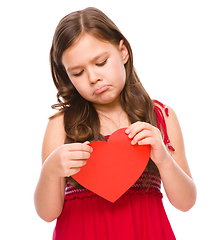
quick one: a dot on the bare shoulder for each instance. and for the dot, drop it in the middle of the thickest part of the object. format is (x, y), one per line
(173, 127)
(54, 136)
(176, 137)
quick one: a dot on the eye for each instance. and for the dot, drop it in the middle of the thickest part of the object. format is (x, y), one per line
(102, 63)
(78, 74)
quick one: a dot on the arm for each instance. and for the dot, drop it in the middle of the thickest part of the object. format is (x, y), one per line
(175, 173)
(59, 161)
(49, 193)
(173, 167)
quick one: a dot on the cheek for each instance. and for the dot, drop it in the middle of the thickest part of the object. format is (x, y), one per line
(83, 91)
(119, 74)
(120, 68)
(81, 88)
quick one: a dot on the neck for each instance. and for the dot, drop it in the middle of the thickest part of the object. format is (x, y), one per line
(112, 117)
(109, 109)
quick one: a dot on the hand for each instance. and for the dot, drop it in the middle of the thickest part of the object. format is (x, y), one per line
(143, 133)
(67, 160)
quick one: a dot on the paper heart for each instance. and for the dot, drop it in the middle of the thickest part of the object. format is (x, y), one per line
(114, 166)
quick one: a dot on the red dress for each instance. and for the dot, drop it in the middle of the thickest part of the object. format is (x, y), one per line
(137, 215)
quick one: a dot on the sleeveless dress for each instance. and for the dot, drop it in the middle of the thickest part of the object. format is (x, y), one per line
(137, 215)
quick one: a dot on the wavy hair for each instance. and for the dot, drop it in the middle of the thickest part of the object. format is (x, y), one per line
(81, 120)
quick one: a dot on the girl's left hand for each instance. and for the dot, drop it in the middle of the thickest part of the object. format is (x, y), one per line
(143, 133)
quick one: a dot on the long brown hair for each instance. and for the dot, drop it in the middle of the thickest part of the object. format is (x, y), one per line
(81, 120)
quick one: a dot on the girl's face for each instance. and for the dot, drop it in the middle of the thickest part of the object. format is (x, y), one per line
(96, 69)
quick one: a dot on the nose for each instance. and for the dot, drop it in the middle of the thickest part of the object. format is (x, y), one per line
(93, 76)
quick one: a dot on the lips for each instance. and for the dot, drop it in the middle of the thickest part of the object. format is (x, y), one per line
(101, 90)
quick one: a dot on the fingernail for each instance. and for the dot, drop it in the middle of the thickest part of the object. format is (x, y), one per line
(127, 131)
(130, 135)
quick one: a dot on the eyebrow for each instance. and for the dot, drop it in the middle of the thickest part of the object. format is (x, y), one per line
(93, 59)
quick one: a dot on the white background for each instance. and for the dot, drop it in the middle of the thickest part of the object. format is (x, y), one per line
(170, 41)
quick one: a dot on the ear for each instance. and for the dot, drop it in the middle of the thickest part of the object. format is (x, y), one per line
(124, 51)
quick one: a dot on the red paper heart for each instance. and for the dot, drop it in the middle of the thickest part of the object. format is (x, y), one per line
(114, 166)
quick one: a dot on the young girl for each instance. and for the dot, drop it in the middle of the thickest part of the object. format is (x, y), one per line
(98, 93)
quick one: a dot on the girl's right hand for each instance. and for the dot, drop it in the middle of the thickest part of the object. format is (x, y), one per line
(67, 159)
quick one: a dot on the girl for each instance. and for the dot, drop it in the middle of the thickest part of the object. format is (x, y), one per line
(98, 93)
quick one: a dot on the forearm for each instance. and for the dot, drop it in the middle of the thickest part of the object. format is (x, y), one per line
(49, 196)
(179, 187)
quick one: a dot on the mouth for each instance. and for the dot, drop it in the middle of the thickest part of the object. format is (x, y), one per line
(101, 90)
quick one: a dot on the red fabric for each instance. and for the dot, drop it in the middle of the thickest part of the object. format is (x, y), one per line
(143, 183)
(134, 216)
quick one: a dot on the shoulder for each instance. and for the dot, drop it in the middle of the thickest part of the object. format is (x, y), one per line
(175, 132)
(168, 115)
(172, 125)
(168, 121)
(56, 124)
(54, 136)
(176, 137)
(172, 121)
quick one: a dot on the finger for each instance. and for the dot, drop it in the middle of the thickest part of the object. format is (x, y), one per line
(87, 143)
(79, 155)
(141, 135)
(146, 141)
(129, 129)
(136, 128)
(79, 147)
(78, 164)
(73, 171)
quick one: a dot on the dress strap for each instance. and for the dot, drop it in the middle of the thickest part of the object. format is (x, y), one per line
(161, 121)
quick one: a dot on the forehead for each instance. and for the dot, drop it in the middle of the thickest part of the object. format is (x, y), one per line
(86, 49)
